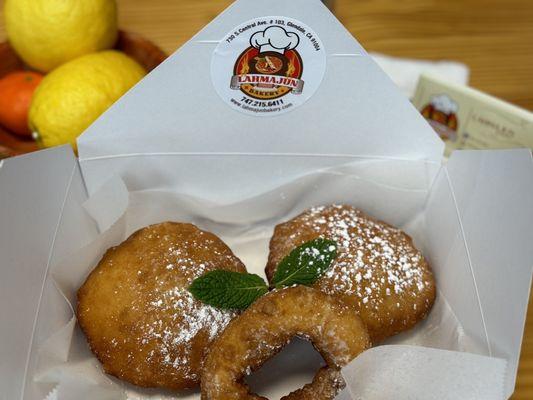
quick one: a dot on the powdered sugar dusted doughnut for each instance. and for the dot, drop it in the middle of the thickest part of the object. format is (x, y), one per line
(138, 316)
(377, 266)
(267, 325)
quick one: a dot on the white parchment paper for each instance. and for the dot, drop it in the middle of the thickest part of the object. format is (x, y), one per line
(387, 372)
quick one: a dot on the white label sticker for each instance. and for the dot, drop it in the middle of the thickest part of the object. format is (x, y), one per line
(268, 66)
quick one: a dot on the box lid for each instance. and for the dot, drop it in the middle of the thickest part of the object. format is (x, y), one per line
(40, 200)
(491, 193)
(348, 107)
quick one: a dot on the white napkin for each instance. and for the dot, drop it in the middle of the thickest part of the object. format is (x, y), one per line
(405, 72)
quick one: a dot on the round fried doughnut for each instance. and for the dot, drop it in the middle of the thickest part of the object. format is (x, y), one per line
(139, 318)
(377, 266)
(267, 325)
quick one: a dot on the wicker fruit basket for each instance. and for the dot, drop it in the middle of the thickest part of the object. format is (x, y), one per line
(142, 50)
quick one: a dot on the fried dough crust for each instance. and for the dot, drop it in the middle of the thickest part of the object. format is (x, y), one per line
(377, 266)
(140, 320)
(261, 331)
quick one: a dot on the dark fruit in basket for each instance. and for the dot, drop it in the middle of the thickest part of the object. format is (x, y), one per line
(16, 92)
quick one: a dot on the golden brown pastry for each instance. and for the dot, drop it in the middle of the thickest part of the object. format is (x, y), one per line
(140, 320)
(377, 266)
(331, 325)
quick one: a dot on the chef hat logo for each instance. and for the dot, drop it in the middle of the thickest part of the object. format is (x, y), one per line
(444, 104)
(274, 38)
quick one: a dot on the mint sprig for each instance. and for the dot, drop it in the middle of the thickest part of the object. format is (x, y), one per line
(237, 290)
(305, 263)
(228, 289)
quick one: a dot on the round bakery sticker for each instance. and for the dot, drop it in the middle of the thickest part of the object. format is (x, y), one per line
(268, 66)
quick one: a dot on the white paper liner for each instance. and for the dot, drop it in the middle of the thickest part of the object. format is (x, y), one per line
(246, 227)
(386, 372)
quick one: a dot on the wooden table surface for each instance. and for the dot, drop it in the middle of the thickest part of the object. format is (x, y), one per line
(493, 37)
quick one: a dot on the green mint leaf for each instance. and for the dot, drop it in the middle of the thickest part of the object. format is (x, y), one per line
(305, 263)
(228, 289)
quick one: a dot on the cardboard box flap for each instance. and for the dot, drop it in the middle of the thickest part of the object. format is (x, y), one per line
(40, 201)
(491, 192)
(341, 105)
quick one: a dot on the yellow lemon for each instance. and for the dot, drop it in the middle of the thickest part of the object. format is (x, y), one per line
(72, 96)
(48, 33)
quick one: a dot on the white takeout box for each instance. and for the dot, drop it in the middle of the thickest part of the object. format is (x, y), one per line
(172, 149)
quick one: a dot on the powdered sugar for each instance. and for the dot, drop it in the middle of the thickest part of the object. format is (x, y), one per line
(190, 317)
(162, 330)
(374, 259)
